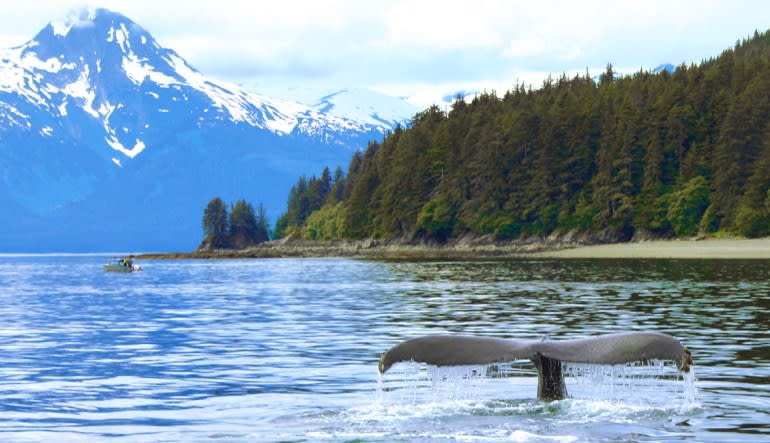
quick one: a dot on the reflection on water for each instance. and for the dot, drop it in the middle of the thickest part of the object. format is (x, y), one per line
(253, 350)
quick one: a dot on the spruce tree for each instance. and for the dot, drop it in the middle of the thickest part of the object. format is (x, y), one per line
(215, 225)
(263, 228)
(243, 225)
(671, 153)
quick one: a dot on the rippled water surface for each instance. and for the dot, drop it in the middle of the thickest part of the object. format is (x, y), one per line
(286, 350)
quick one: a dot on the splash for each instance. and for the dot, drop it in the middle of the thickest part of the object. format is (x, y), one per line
(524, 436)
(690, 390)
(655, 384)
(496, 403)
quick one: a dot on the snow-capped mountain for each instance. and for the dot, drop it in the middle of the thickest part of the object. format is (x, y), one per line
(97, 60)
(668, 67)
(106, 134)
(361, 105)
(369, 107)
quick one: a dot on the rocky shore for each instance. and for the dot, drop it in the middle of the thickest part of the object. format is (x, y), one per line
(364, 249)
(562, 246)
(462, 248)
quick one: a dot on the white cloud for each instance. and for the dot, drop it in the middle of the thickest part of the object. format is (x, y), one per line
(441, 24)
(524, 47)
(77, 18)
(422, 48)
(425, 94)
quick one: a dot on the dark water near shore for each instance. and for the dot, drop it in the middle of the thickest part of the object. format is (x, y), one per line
(286, 350)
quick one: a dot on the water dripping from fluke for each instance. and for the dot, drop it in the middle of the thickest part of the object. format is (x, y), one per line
(548, 356)
(652, 384)
(496, 398)
(690, 390)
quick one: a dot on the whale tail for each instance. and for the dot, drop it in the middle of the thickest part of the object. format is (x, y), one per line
(547, 355)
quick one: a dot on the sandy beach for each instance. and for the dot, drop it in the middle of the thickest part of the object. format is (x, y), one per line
(707, 249)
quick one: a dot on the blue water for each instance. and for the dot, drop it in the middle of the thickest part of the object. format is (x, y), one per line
(286, 350)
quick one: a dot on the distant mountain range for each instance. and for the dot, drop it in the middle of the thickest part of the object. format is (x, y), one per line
(109, 141)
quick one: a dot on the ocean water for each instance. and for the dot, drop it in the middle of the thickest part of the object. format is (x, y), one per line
(287, 350)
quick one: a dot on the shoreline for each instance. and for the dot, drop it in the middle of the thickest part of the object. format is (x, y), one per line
(375, 250)
(713, 249)
(364, 249)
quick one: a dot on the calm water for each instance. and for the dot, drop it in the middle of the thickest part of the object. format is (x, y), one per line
(286, 350)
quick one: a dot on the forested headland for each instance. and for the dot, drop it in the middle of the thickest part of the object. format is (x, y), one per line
(670, 154)
(240, 227)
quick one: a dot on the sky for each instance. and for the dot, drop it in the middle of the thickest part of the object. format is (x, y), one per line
(419, 50)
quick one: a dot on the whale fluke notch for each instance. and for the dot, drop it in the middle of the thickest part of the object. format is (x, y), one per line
(547, 355)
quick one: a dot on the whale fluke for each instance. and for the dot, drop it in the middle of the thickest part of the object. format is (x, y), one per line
(623, 347)
(547, 355)
(455, 350)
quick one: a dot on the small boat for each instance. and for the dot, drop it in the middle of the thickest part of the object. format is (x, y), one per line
(122, 265)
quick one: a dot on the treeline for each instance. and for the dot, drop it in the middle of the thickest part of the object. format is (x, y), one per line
(239, 228)
(674, 154)
(306, 199)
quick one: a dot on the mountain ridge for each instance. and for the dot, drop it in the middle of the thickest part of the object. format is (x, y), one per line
(99, 120)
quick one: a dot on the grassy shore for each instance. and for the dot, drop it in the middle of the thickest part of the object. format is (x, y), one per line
(684, 249)
(370, 249)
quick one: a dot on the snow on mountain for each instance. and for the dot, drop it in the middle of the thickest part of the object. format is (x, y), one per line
(105, 135)
(364, 105)
(620, 72)
(668, 67)
(72, 62)
(463, 94)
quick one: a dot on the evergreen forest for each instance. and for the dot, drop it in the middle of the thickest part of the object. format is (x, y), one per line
(239, 228)
(670, 154)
